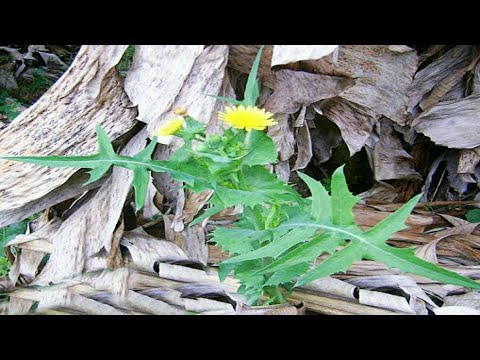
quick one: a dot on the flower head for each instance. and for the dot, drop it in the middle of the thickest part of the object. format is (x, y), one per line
(165, 133)
(248, 118)
(171, 127)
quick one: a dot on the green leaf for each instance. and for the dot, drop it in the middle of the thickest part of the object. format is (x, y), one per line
(188, 171)
(191, 129)
(261, 150)
(252, 88)
(473, 216)
(104, 145)
(286, 275)
(305, 253)
(141, 179)
(238, 241)
(406, 261)
(342, 200)
(321, 208)
(339, 261)
(209, 212)
(278, 246)
(393, 223)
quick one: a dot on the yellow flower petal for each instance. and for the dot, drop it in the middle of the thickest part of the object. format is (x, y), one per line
(170, 128)
(248, 118)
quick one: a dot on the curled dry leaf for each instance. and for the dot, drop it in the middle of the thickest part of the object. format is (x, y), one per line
(382, 77)
(332, 286)
(388, 158)
(452, 123)
(354, 121)
(304, 148)
(441, 75)
(384, 301)
(469, 300)
(282, 135)
(325, 137)
(295, 89)
(468, 169)
(145, 250)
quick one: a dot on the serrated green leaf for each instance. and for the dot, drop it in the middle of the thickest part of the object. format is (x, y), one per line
(305, 253)
(238, 241)
(286, 275)
(338, 262)
(281, 243)
(97, 173)
(224, 270)
(261, 150)
(406, 261)
(321, 208)
(147, 152)
(393, 223)
(141, 179)
(191, 129)
(105, 147)
(342, 200)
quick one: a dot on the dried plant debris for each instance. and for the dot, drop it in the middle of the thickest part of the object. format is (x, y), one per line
(285, 54)
(295, 89)
(453, 124)
(387, 157)
(62, 122)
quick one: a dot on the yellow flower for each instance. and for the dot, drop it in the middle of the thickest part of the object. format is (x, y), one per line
(248, 118)
(165, 133)
(171, 127)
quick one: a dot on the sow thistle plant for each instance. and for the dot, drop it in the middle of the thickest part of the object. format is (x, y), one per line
(279, 235)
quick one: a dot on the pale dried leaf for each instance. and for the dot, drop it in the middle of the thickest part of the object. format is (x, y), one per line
(73, 187)
(455, 310)
(468, 170)
(452, 123)
(89, 92)
(470, 300)
(205, 78)
(296, 89)
(285, 54)
(332, 286)
(384, 301)
(82, 236)
(389, 158)
(157, 75)
(325, 137)
(446, 69)
(282, 135)
(380, 191)
(304, 148)
(382, 77)
(7, 80)
(354, 121)
(145, 250)
(51, 59)
(190, 239)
